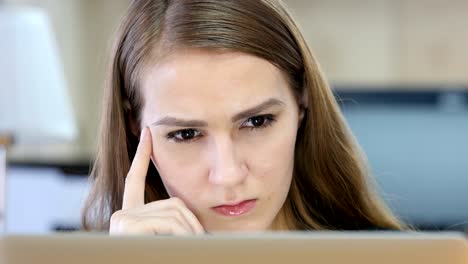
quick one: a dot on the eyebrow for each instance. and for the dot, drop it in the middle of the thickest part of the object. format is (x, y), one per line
(178, 122)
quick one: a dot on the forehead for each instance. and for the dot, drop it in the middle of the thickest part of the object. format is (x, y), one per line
(197, 82)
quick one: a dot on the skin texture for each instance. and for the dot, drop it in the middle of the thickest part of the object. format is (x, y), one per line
(223, 160)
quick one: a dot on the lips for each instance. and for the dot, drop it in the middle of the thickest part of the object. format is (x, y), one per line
(235, 209)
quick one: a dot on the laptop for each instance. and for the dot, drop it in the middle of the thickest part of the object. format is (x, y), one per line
(293, 247)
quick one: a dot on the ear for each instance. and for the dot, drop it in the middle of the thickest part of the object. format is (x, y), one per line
(133, 123)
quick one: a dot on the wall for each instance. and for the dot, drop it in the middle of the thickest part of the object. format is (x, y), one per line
(358, 42)
(388, 41)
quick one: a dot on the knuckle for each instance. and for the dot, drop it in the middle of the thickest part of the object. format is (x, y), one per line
(131, 179)
(121, 219)
(177, 214)
(177, 223)
(116, 217)
(128, 178)
(177, 202)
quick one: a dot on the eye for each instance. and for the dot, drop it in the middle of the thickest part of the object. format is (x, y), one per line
(260, 121)
(184, 136)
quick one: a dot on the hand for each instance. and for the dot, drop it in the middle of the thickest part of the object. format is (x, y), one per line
(169, 216)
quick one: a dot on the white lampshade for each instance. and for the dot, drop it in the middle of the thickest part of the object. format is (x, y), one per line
(35, 106)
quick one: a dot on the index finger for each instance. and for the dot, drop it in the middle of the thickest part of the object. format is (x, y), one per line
(134, 192)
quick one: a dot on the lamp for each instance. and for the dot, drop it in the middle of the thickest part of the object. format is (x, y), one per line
(35, 107)
(34, 102)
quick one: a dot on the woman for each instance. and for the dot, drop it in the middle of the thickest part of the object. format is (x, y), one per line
(217, 118)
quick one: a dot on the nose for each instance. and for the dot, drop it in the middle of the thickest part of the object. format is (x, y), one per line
(228, 169)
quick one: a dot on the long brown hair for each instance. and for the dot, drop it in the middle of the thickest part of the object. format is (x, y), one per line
(331, 186)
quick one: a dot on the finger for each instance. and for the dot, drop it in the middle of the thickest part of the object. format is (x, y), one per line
(190, 217)
(154, 225)
(134, 192)
(171, 226)
(173, 213)
(176, 207)
(150, 211)
(197, 227)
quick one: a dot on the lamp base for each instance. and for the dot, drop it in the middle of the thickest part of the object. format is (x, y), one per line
(6, 140)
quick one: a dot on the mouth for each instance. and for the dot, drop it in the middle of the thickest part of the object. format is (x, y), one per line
(235, 209)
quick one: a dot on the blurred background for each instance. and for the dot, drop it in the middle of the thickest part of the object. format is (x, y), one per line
(398, 68)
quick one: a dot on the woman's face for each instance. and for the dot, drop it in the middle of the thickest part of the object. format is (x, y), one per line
(224, 129)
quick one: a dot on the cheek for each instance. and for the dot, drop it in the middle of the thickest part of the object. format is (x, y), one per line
(180, 168)
(273, 159)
